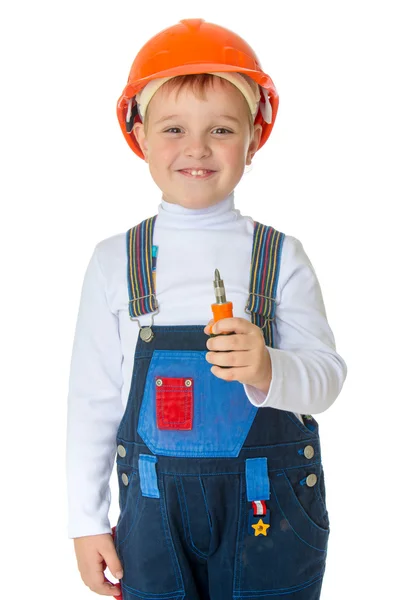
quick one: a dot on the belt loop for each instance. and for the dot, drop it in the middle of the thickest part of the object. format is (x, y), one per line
(148, 475)
(257, 480)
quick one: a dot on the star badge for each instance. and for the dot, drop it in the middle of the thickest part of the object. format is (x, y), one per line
(260, 528)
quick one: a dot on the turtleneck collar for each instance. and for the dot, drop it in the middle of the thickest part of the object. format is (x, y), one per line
(217, 214)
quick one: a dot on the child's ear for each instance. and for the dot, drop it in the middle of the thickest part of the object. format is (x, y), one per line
(138, 132)
(254, 143)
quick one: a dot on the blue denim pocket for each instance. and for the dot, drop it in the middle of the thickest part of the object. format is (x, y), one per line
(302, 512)
(308, 500)
(290, 557)
(222, 413)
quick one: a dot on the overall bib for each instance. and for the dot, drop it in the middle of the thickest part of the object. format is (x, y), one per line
(219, 499)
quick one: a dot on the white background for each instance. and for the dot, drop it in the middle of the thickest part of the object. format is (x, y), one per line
(328, 175)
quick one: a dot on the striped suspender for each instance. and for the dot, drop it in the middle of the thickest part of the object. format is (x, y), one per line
(265, 264)
(141, 269)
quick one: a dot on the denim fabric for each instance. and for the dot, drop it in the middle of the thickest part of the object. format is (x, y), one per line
(257, 479)
(229, 419)
(148, 476)
(193, 542)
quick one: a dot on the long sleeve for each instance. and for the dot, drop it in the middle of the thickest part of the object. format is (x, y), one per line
(307, 372)
(94, 407)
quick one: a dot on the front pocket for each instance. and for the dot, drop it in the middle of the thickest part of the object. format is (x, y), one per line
(211, 420)
(308, 499)
(302, 517)
(288, 556)
(174, 402)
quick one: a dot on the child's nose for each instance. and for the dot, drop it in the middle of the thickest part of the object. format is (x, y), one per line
(197, 148)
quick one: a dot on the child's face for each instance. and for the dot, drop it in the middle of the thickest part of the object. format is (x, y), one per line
(186, 133)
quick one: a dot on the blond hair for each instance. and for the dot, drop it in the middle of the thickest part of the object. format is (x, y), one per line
(197, 83)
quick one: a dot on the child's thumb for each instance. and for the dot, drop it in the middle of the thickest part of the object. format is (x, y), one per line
(207, 328)
(113, 563)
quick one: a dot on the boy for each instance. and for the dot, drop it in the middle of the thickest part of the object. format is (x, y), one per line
(219, 467)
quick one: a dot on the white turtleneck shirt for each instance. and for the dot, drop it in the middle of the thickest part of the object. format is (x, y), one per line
(307, 372)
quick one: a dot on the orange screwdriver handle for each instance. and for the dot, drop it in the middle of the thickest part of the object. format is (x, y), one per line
(222, 311)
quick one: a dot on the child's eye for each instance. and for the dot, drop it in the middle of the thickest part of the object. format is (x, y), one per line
(218, 130)
(222, 129)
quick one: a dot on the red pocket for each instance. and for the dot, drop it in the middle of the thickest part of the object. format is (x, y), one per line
(174, 402)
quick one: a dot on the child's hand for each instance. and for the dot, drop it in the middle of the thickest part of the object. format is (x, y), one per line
(94, 553)
(249, 356)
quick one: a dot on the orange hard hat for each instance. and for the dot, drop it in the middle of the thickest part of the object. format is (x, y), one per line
(193, 46)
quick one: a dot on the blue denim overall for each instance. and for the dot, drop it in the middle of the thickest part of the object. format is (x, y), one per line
(222, 500)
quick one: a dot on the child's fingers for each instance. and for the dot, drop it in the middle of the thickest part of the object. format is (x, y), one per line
(112, 561)
(106, 589)
(116, 587)
(98, 583)
(94, 554)
(207, 328)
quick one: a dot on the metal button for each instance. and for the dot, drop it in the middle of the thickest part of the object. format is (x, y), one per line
(124, 478)
(188, 383)
(308, 451)
(311, 480)
(146, 334)
(121, 451)
(158, 382)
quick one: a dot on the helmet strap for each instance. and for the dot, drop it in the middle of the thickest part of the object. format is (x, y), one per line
(130, 115)
(265, 106)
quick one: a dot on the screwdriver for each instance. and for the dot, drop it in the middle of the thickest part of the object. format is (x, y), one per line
(221, 309)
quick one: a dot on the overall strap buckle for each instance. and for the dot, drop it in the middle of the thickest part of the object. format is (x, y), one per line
(142, 259)
(265, 266)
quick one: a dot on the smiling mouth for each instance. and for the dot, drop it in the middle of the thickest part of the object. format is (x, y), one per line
(197, 173)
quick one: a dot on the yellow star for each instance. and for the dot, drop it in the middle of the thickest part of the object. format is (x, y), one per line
(260, 528)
